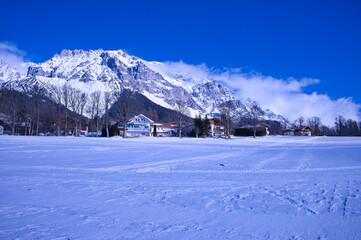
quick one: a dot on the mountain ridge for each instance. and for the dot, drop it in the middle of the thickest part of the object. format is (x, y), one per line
(100, 70)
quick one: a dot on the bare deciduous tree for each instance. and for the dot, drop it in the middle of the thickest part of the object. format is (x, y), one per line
(108, 99)
(94, 109)
(65, 96)
(315, 124)
(37, 106)
(340, 125)
(74, 103)
(255, 113)
(299, 122)
(226, 115)
(124, 109)
(14, 112)
(77, 102)
(57, 96)
(181, 107)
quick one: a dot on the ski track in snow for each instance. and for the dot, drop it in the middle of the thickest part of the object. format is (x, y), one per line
(150, 188)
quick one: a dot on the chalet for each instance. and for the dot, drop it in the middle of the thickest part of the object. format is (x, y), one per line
(139, 125)
(301, 131)
(164, 129)
(217, 128)
(288, 132)
(264, 126)
(71, 127)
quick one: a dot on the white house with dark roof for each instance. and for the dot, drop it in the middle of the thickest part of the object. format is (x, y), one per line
(300, 131)
(138, 126)
(216, 127)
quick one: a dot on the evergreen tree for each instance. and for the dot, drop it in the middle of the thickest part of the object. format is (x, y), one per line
(206, 126)
(155, 131)
(197, 125)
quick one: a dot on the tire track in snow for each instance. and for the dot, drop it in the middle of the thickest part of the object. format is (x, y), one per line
(305, 160)
(345, 202)
(250, 171)
(164, 166)
(144, 167)
(158, 164)
(263, 164)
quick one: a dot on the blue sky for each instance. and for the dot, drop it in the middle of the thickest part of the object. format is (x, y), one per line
(282, 39)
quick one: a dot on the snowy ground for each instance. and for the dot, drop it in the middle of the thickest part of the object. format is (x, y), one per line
(169, 188)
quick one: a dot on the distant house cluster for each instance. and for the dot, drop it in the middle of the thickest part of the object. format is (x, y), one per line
(141, 125)
(72, 127)
(301, 131)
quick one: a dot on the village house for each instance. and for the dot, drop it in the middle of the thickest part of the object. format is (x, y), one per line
(301, 131)
(288, 132)
(164, 129)
(217, 128)
(139, 125)
(1, 130)
(264, 126)
(71, 127)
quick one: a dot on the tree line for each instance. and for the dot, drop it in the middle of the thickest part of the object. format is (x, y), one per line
(34, 114)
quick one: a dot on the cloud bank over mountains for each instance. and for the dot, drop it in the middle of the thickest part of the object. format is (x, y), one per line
(13, 56)
(283, 96)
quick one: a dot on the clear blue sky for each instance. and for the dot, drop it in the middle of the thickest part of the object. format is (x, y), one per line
(316, 39)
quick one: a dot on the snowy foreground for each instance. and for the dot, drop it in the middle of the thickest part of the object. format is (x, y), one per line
(169, 188)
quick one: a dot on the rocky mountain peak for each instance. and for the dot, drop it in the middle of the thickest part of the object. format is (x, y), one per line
(7, 72)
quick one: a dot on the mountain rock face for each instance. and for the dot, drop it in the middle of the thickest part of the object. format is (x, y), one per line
(114, 71)
(8, 73)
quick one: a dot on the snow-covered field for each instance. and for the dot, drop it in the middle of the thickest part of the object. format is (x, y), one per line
(170, 188)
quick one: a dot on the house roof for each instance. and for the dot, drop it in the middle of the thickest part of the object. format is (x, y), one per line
(303, 128)
(216, 121)
(165, 124)
(141, 116)
(300, 129)
(263, 125)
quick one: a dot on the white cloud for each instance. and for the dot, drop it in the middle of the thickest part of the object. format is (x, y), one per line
(13, 56)
(283, 96)
(170, 68)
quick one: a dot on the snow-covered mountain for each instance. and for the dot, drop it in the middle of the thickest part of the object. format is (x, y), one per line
(99, 70)
(8, 73)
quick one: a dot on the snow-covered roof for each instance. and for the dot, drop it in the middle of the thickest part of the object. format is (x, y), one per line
(165, 124)
(141, 116)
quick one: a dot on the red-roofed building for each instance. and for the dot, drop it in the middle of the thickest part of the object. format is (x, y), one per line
(217, 127)
(71, 127)
(301, 131)
(265, 126)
